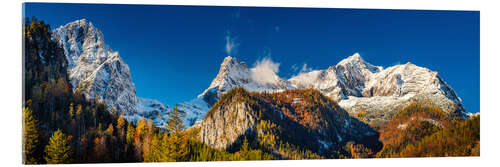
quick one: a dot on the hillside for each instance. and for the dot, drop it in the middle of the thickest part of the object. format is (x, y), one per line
(422, 130)
(279, 122)
(350, 110)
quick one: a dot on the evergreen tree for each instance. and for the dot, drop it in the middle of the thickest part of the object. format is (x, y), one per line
(175, 124)
(245, 150)
(120, 123)
(30, 137)
(147, 140)
(175, 145)
(130, 134)
(58, 151)
(155, 153)
(129, 138)
(139, 133)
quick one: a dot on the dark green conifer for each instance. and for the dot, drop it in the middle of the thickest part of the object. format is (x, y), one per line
(58, 151)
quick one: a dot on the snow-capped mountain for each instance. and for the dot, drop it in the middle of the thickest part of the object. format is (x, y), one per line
(232, 74)
(360, 86)
(194, 111)
(100, 72)
(356, 84)
(95, 68)
(150, 109)
(347, 78)
(399, 85)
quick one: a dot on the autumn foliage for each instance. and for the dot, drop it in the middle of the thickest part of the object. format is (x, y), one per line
(60, 125)
(424, 130)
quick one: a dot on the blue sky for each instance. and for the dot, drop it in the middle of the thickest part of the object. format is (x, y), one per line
(174, 52)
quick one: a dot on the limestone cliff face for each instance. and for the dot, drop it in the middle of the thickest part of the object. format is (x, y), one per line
(227, 123)
(99, 72)
(303, 118)
(95, 68)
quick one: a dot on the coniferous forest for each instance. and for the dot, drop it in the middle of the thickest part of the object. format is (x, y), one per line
(61, 126)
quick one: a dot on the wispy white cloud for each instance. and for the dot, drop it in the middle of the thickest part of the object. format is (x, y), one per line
(231, 44)
(396, 63)
(304, 69)
(265, 71)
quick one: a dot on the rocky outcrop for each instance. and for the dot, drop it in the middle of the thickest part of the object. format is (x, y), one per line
(304, 118)
(361, 87)
(101, 73)
(227, 123)
(95, 68)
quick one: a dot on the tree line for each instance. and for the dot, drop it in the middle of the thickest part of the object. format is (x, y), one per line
(60, 125)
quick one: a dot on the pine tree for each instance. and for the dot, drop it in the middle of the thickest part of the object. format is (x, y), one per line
(58, 151)
(120, 123)
(30, 137)
(129, 138)
(164, 144)
(175, 145)
(245, 150)
(155, 154)
(139, 133)
(140, 130)
(175, 124)
(148, 137)
(130, 134)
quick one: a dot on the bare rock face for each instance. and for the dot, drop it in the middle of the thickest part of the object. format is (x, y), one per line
(101, 73)
(303, 118)
(227, 124)
(95, 68)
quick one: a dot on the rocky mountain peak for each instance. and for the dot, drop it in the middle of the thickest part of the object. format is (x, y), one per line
(356, 84)
(355, 58)
(233, 74)
(230, 62)
(101, 72)
(80, 35)
(356, 62)
(94, 68)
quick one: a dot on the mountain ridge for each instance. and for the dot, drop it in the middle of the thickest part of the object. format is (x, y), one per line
(101, 73)
(357, 85)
